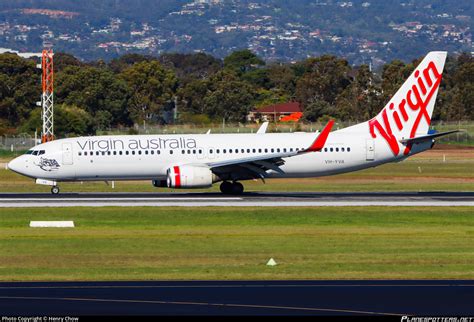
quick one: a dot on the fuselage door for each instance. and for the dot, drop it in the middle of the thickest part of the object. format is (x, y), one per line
(370, 148)
(67, 153)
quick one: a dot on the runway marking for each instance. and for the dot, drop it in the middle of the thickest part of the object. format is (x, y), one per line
(242, 203)
(201, 304)
(122, 199)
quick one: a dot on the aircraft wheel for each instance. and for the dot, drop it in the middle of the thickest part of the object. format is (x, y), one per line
(226, 187)
(55, 190)
(237, 188)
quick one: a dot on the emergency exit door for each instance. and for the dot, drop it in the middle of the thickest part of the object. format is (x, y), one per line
(370, 150)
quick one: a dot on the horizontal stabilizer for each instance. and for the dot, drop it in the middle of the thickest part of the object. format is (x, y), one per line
(425, 138)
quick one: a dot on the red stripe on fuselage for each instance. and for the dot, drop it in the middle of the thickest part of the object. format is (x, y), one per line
(177, 177)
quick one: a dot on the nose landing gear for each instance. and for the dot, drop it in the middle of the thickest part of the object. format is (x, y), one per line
(232, 188)
(55, 190)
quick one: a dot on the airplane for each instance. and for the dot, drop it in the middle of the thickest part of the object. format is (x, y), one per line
(399, 131)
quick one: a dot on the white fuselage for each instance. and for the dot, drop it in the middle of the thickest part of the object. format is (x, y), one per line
(140, 157)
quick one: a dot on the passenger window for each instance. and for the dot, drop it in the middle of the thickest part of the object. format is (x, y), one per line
(284, 150)
(259, 150)
(115, 152)
(325, 149)
(210, 151)
(80, 153)
(194, 151)
(291, 149)
(248, 150)
(266, 150)
(337, 149)
(348, 149)
(183, 152)
(253, 150)
(331, 149)
(146, 151)
(171, 151)
(120, 152)
(242, 150)
(278, 150)
(109, 153)
(342, 149)
(133, 152)
(85, 152)
(272, 150)
(224, 151)
(103, 152)
(218, 151)
(140, 152)
(96, 152)
(200, 151)
(152, 152)
(126, 152)
(158, 152)
(189, 151)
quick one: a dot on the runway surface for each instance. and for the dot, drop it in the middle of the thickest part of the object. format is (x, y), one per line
(397, 298)
(264, 199)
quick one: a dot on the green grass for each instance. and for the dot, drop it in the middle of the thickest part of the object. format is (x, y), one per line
(235, 243)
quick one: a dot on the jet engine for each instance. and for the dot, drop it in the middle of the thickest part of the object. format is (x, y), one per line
(190, 177)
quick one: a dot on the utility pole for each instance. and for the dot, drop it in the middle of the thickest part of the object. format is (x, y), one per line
(47, 81)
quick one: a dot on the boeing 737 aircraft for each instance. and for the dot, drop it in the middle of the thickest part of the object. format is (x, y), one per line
(400, 130)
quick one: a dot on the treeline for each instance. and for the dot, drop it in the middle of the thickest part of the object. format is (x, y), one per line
(134, 89)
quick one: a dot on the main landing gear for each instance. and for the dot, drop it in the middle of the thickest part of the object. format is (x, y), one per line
(55, 190)
(232, 188)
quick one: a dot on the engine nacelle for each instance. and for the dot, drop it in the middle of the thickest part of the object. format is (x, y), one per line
(189, 177)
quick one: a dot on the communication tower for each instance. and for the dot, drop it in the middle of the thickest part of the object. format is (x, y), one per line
(47, 81)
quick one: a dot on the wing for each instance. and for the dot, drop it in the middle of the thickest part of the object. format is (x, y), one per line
(257, 167)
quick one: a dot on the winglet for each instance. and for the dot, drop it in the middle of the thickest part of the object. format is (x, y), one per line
(263, 128)
(320, 141)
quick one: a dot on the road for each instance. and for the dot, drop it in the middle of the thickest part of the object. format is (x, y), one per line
(397, 298)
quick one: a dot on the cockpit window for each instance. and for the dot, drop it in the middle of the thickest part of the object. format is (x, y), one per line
(35, 152)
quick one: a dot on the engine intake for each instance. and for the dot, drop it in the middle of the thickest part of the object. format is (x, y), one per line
(189, 177)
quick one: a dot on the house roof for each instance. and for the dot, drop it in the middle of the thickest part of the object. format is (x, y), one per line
(289, 107)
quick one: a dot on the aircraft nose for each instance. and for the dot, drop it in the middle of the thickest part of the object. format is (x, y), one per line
(15, 165)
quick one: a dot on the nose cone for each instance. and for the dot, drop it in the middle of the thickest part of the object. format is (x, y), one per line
(15, 165)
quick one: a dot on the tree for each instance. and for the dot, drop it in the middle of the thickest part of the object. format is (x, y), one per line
(20, 88)
(94, 89)
(325, 78)
(151, 87)
(361, 99)
(242, 61)
(229, 98)
(189, 67)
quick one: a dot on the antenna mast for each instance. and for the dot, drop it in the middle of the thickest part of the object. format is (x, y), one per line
(47, 95)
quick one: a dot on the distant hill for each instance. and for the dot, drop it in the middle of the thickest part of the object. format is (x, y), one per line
(362, 31)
